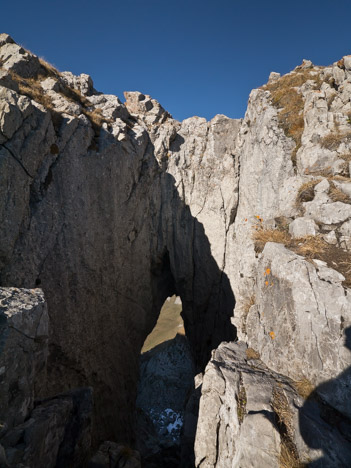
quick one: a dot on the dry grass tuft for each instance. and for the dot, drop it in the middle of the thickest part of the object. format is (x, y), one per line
(48, 69)
(262, 236)
(286, 97)
(31, 87)
(241, 401)
(346, 157)
(288, 453)
(303, 387)
(280, 406)
(289, 458)
(306, 191)
(249, 302)
(332, 141)
(252, 354)
(309, 246)
(337, 194)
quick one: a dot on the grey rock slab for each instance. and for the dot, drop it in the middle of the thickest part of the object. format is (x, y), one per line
(24, 350)
(5, 39)
(347, 62)
(247, 423)
(14, 108)
(57, 433)
(18, 60)
(327, 213)
(330, 238)
(301, 227)
(299, 318)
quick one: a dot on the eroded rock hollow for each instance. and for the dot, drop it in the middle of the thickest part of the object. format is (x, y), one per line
(109, 208)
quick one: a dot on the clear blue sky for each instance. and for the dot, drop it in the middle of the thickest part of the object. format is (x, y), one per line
(195, 57)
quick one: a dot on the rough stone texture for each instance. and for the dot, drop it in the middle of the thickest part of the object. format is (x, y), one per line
(166, 378)
(113, 207)
(301, 227)
(56, 435)
(298, 320)
(16, 59)
(82, 207)
(249, 415)
(23, 352)
(112, 455)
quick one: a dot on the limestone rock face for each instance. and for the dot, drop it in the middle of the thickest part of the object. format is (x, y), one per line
(57, 433)
(297, 324)
(90, 188)
(111, 208)
(253, 416)
(285, 196)
(24, 351)
(16, 59)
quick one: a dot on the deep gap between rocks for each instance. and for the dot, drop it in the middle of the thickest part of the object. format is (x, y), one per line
(166, 382)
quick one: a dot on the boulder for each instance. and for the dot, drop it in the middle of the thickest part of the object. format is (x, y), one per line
(252, 416)
(16, 59)
(301, 227)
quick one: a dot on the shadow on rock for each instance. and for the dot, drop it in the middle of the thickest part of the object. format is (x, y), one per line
(325, 419)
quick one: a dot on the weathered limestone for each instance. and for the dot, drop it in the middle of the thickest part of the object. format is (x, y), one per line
(16, 59)
(56, 435)
(301, 227)
(113, 207)
(81, 207)
(298, 318)
(252, 416)
(24, 351)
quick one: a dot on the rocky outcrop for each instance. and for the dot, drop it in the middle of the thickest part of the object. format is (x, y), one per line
(112, 207)
(24, 330)
(253, 416)
(55, 432)
(89, 191)
(292, 300)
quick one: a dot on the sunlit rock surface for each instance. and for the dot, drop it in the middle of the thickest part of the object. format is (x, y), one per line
(111, 208)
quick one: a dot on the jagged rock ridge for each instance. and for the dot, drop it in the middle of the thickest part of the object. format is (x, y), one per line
(112, 207)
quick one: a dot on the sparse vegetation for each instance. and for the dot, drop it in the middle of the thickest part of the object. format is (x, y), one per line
(333, 140)
(303, 387)
(311, 247)
(32, 88)
(306, 191)
(241, 401)
(289, 458)
(48, 69)
(288, 453)
(252, 354)
(249, 302)
(337, 194)
(287, 98)
(346, 157)
(262, 236)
